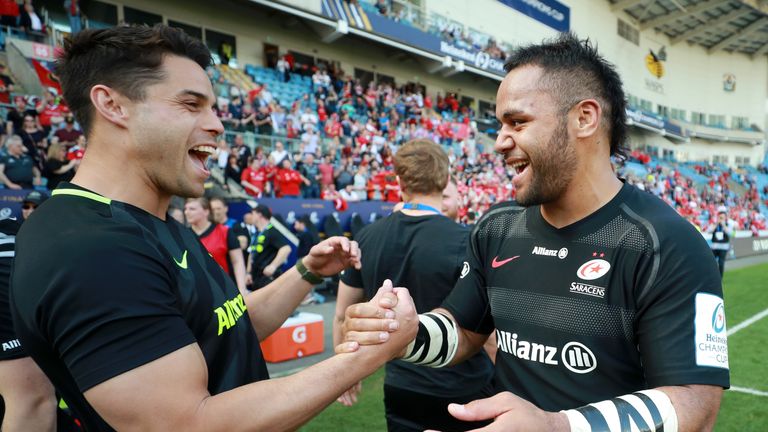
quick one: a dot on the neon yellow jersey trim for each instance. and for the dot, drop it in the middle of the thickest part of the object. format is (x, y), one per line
(84, 194)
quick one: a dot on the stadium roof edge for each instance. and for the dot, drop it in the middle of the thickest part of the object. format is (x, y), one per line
(735, 26)
(332, 24)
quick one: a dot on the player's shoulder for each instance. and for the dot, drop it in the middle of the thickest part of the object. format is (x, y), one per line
(657, 217)
(70, 229)
(500, 215)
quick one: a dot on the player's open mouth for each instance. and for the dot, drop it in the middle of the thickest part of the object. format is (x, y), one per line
(519, 166)
(200, 154)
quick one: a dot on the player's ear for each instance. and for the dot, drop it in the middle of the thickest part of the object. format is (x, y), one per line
(586, 118)
(110, 105)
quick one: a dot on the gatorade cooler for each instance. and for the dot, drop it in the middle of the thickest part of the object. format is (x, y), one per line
(299, 336)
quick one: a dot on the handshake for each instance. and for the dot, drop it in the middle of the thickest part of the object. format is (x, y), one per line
(387, 323)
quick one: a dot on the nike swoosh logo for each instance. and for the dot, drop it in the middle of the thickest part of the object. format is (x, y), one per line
(496, 263)
(183, 262)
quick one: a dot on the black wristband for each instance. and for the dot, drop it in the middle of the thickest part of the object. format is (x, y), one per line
(306, 274)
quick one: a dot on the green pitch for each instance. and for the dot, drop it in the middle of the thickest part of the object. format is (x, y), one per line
(746, 294)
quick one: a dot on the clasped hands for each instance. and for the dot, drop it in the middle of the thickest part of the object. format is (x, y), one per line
(390, 320)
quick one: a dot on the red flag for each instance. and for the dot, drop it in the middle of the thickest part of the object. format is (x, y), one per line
(47, 79)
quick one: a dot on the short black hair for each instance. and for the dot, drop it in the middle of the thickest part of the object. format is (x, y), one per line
(574, 71)
(263, 210)
(126, 58)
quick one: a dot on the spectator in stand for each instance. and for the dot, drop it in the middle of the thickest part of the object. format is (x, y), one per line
(345, 174)
(288, 181)
(326, 171)
(9, 13)
(279, 153)
(233, 171)
(30, 21)
(311, 141)
(222, 89)
(242, 151)
(311, 174)
(222, 153)
(263, 121)
(218, 240)
(278, 117)
(283, 69)
(309, 120)
(236, 107)
(360, 183)
(68, 135)
(73, 14)
(254, 178)
(247, 120)
(6, 85)
(270, 173)
(51, 111)
(57, 167)
(15, 116)
(34, 139)
(17, 169)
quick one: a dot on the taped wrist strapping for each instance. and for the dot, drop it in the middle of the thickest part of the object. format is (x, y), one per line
(435, 343)
(648, 410)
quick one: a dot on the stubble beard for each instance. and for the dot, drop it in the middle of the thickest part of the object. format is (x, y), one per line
(553, 169)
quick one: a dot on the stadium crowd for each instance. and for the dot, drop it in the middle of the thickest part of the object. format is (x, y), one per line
(363, 126)
(338, 144)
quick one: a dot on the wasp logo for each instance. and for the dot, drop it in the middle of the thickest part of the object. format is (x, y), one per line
(654, 62)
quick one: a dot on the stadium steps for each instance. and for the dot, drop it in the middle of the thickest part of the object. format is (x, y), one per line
(736, 187)
(233, 190)
(237, 77)
(284, 92)
(688, 171)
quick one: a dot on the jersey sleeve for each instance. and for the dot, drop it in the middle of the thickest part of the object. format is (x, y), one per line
(276, 238)
(232, 242)
(468, 301)
(112, 308)
(680, 321)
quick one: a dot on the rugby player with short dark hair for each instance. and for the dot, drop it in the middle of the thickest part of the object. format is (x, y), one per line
(607, 304)
(124, 310)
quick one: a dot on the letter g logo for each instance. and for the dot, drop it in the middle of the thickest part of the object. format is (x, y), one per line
(299, 334)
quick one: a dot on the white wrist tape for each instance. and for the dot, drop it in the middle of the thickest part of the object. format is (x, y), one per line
(647, 410)
(435, 343)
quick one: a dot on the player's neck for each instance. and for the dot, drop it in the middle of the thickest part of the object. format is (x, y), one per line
(112, 178)
(431, 201)
(586, 194)
(201, 226)
(260, 225)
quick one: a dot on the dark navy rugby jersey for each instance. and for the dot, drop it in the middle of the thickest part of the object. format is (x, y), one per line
(10, 346)
(101, 287)
(625, 299)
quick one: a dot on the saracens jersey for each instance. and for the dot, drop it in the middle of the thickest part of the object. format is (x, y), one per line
(626, 299)
(101, 287)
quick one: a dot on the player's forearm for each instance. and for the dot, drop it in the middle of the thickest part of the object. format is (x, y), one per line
(696, 406)
(690, 408)
(270, 306)
(287, 403)
(238, 267)
(281, 256)
(469, 343)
